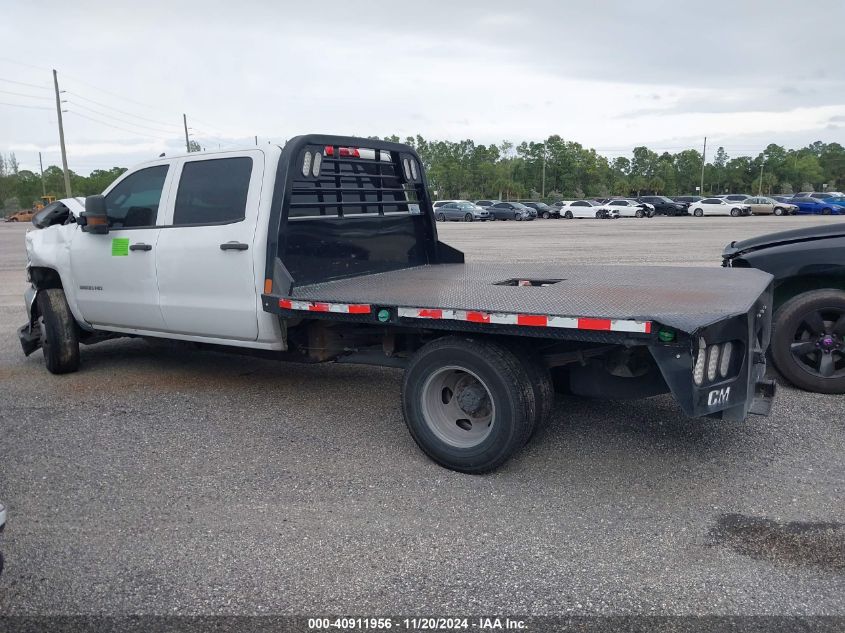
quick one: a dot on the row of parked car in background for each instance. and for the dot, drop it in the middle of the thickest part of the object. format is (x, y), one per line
(735, 204)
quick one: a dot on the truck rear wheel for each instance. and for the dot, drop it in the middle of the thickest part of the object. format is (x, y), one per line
(541, 384)
(469, 404)
(59, 337)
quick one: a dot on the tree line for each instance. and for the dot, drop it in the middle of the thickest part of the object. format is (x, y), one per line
(464, 169)
(552, 170)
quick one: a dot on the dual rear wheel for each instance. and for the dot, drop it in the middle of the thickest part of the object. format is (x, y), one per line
(471, 404)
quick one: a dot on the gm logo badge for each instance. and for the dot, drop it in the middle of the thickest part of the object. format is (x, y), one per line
(718, 396)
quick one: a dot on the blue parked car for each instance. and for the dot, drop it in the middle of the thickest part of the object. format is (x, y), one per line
(838, 201)
(813, 206)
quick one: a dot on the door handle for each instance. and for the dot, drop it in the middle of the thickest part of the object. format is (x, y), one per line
(234, 246)
(140, 246)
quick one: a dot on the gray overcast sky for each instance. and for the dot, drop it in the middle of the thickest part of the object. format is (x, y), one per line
(610, 75)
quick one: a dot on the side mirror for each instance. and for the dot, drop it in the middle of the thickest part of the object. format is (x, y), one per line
(94, 220)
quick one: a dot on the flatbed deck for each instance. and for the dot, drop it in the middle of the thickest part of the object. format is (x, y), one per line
(683, 298)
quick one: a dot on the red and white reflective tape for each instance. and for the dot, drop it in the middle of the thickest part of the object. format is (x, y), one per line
(320, 306)
(534, 320)
(475, 316)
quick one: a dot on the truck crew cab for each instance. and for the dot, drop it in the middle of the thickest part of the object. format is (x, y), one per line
(327, 250)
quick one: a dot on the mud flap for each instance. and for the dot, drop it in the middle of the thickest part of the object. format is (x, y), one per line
(29, 335)
(30, 338)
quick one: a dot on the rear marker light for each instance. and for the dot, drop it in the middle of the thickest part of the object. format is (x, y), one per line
(318, 159)
(413, 169)
(385, 156)
(700, 361)
(306, 164)
(725, 365)
(712, 362)
(407, 169)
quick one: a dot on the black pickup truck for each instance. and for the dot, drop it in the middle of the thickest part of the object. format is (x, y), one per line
(808, 264)
(327, 250)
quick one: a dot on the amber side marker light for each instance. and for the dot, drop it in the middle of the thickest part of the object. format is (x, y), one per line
(268, 286)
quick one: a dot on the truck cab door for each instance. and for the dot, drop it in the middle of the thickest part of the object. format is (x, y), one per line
(206, 259)
(114, 274)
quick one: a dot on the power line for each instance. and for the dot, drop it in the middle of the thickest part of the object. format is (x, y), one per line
(14, 61)
(21, 105)
(159, 138)
(109, 116)
(114, 94)
(22, 94)
(23, 83)
(140, 103)
(124, 112)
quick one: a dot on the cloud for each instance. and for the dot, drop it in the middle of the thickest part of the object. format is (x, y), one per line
(613, 74)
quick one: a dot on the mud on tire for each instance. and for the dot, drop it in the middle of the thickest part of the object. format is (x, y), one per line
(59, 332)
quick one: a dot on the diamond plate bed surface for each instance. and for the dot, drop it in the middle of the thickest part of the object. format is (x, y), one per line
(684, 298)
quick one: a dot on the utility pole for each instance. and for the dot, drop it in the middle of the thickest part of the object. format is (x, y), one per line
(703, 163)
(41, 165)
(543, 194)
(760, 188)
(187, 142)
(61, 135)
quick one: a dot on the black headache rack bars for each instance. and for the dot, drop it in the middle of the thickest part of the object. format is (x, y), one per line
(345, 206)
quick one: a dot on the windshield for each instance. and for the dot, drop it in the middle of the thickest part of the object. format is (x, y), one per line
(519, 205)
(467, 205)
(541, 205)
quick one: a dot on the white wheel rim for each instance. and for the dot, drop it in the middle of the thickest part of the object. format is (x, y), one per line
(457, 407)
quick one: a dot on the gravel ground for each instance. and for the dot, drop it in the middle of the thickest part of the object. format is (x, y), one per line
(163, 481)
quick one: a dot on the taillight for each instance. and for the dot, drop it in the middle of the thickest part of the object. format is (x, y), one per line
(713, 361)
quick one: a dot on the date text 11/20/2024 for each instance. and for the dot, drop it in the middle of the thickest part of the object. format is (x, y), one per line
(417, 624)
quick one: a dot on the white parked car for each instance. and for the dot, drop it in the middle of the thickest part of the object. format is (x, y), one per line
(627, 208)
(719, 206)
(581, 209)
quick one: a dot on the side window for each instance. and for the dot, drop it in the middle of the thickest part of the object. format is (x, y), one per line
(213, 191)
(579, 203)
(134, 201)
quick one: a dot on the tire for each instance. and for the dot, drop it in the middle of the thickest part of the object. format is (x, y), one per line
(541, 384)
(734, 213)
(699, 213)
(798, 341)
(546, 215)
(568, 215)
(468, 217)
(13, 220)
(59, 335)
(778, 211)
(599, 215)
(497, 386)
(639, 213)
(440, 217)
(517, 217)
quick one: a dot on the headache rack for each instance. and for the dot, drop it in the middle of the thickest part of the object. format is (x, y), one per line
(340, 181)
(346, 206)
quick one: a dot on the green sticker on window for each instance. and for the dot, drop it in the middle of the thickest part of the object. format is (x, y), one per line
(120, 247)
